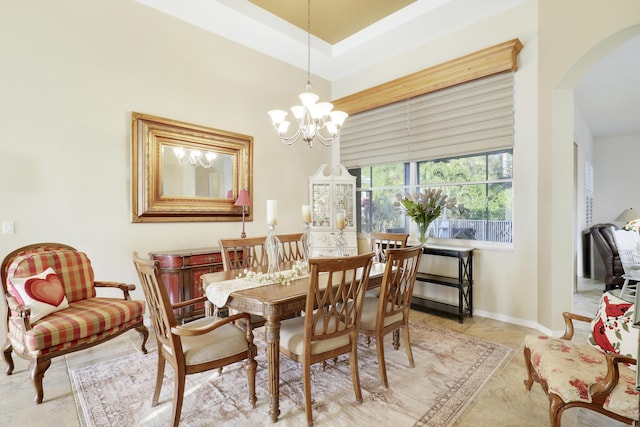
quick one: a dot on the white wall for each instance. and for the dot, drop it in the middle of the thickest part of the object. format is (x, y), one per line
(616, 176)
(71, 73)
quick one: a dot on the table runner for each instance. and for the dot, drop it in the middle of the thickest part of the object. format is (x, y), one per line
(218, 293)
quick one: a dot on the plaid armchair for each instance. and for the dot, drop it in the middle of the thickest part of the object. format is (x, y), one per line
(52, 308)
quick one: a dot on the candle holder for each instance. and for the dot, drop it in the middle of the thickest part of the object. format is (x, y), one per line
(341, 244)
(272, 246)
(306, 241)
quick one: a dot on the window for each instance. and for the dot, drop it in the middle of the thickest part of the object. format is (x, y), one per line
(483, 183)
(376, 190)
(458, 139)
(588, 194)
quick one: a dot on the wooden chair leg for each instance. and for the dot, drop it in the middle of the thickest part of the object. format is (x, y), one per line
(527, 361)
(381, 361)
(407, 343)
(556, 407)
(178, 394)
(396, 339)
(36, 372)
(159, 378)
(7, 349)
(355, 374)
(144, 336)
(306, 387)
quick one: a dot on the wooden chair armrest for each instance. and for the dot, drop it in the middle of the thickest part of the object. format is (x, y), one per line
(602, 389)
(190, 332)
(124, 287)
(181, 304)
(568, 323)
(18, 310)
(13, 304)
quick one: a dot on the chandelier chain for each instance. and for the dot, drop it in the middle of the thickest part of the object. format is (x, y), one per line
(309, 42)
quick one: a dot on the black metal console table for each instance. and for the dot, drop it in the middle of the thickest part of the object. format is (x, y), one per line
(463, 282)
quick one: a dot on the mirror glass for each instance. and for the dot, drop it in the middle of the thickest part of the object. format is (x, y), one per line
(189, 172)
(185, 172)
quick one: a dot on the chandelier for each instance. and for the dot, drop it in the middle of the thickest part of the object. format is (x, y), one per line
(315, 119)
(194, 157)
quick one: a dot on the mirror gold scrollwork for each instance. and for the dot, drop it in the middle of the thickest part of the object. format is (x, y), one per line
(184, 173)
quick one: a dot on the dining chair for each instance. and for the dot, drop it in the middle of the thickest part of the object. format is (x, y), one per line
(198, 346)
(380, 242)
(390, 311)
(243, 253)
(291, 247)
(627, 243)
(329, 327)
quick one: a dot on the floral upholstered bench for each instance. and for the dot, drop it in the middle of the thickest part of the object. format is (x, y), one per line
(598, 374)
(52, 308)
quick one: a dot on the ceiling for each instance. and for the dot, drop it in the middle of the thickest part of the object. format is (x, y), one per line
(349, 35)
(333, 20)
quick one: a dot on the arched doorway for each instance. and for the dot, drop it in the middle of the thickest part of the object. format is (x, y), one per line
(566, 108)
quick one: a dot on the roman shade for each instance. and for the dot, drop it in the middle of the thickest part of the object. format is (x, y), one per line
(468, 118)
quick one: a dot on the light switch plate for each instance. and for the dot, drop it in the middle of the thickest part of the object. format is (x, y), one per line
(7, 227)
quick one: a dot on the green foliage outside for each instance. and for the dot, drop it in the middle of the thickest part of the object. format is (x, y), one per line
(482, 183)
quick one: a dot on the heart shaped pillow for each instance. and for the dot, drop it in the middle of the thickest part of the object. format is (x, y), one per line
(43, 293)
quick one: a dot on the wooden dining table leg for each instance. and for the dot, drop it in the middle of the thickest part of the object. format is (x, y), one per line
(272, 332)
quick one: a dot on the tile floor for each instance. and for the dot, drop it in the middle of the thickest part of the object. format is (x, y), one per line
(502, 402)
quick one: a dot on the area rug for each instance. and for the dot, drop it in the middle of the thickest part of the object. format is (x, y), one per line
(450, 370)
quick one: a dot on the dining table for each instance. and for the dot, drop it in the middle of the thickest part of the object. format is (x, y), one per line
(275, 302)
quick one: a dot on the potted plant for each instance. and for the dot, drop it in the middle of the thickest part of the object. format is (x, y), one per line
(425, 207)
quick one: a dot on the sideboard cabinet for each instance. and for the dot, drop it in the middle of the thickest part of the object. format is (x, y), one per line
(181, 271)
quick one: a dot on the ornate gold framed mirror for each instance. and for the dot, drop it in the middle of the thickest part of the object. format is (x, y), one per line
(183, 172)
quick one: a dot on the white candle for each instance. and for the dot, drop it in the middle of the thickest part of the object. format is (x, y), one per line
(340, 221)
(272, 212)
(306, 213)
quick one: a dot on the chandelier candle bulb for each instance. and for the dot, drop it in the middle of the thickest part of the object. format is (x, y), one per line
(340, 221)
(306, 213)
(272, 212)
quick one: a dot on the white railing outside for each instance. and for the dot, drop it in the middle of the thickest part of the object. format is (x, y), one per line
(494, 231)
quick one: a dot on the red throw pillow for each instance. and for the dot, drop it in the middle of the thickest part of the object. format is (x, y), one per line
(612, 327)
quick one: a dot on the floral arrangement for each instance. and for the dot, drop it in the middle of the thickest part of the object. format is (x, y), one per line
(300, 270)
(425, 207)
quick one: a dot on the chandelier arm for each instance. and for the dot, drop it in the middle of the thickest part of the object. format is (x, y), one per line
(205, 165)
(293, 138)
(183, 161)
(326, 141)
